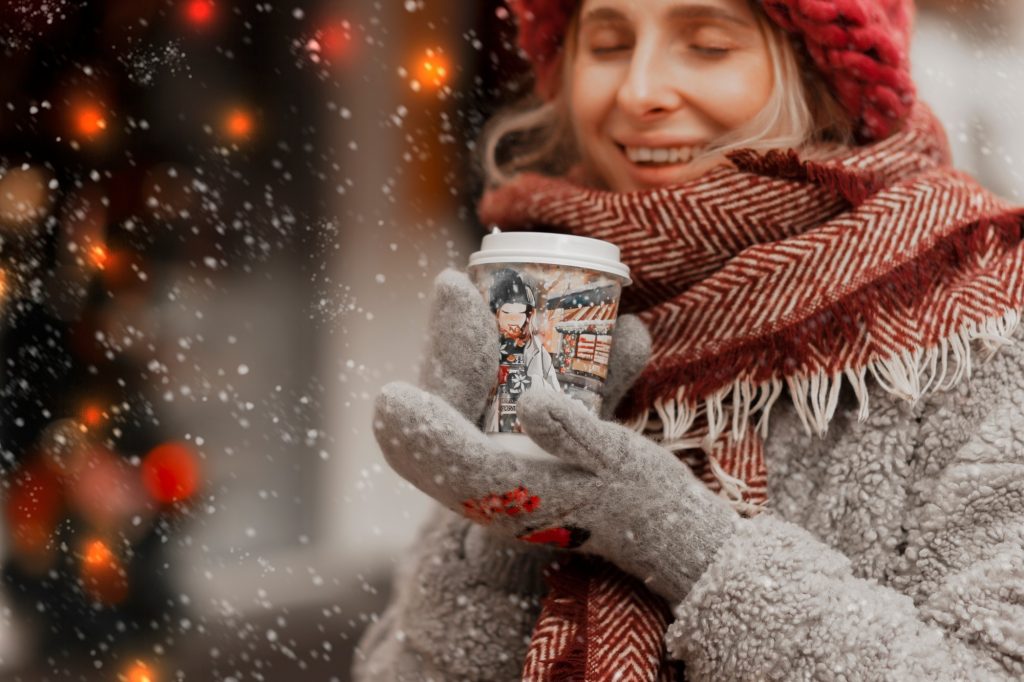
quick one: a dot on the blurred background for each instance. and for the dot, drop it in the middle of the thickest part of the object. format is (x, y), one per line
(219, 226)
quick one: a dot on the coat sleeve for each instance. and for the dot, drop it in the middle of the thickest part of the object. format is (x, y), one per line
(778, 604)
(463, 606)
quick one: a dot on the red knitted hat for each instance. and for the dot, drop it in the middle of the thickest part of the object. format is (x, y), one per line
(861, 48)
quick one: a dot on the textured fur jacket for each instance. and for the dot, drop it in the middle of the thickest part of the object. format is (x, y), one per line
(894, 550)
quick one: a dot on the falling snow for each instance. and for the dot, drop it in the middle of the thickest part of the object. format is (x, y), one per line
(219, 228)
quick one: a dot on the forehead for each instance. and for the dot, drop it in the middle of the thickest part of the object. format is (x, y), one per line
(513, 308)
(731, 11)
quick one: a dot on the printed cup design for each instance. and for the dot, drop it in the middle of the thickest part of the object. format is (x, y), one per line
(556, 324)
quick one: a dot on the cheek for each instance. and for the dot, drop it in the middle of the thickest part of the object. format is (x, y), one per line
(591, 96)
(737, 95)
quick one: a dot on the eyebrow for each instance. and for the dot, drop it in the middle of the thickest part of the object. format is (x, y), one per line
(677, 12)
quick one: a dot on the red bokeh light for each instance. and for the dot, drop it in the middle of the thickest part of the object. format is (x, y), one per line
(333, 42)
(199, 12)
(92, 415)
(170, 472)
(89, 120)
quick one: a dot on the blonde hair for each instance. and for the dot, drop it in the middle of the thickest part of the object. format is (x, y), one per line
(800, 113)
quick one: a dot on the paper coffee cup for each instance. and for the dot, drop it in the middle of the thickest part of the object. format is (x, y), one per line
(556, 300)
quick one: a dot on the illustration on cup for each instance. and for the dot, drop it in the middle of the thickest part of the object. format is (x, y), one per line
(523, 358)
(556, 325)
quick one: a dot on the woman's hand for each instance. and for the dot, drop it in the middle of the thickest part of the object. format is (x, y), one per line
(612, 492)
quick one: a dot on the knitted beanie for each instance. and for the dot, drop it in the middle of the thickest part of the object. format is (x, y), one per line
(860, 47)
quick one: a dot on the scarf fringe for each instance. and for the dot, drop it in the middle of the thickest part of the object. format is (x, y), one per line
(908, 375)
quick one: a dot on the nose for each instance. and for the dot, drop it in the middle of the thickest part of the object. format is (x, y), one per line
(648, 89)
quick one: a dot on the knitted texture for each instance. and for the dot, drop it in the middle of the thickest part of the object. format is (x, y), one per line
(599, 623)
(542, 25)
(782, 273)
(860, 47)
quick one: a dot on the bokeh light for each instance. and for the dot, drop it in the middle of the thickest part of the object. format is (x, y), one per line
(99, 256)
(432, 71)
(105, 491)
(92, 415)
(24, 196)
(139, 672)
(98, 555)
(89, 120)
(239, 124)
(332, 43)
(199, 12)
(102, 574)
(170, 472)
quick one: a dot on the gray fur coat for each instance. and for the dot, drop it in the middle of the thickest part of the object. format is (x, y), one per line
(894, 550)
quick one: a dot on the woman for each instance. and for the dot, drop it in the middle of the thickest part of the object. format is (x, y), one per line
(794, 231)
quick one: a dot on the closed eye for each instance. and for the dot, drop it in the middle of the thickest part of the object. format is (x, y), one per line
(711, 51)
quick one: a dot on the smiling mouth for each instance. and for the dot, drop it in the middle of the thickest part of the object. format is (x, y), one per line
(660, 157)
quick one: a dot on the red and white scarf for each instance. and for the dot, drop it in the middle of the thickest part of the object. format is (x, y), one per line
(773, 274)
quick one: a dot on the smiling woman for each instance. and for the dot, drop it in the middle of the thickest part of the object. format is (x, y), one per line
(652, 93)
(799, 245)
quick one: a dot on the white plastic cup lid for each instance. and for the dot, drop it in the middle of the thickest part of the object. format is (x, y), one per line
(555, 249)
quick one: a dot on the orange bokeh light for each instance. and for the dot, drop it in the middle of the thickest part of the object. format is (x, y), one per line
(139, 672)
(98, 555)
(432, 70)
(199, 12)
(102, 576)
(89, 120)
(99, 256)
(238, 124)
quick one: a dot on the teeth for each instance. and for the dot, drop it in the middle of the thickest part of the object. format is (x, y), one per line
(638, 155)
(662, 154)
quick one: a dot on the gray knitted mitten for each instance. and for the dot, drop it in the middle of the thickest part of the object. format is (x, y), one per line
(612, 492)
(461, 368)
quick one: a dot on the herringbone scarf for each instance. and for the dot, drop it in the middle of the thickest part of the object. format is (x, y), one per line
(776, 273)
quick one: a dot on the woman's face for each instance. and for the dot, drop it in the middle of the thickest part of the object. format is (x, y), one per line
(654, 81)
